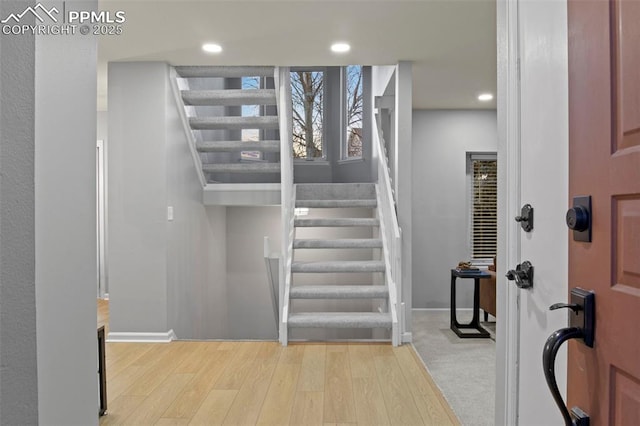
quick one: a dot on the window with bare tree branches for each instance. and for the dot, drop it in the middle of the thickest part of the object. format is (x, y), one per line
(307, 93)
(353, 88)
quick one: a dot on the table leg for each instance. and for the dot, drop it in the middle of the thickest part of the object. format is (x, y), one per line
(475, 322)
(453, 322)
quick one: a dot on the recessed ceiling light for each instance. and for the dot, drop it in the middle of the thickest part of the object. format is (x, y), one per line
(485, 97)
(340, 47)
(212, 48)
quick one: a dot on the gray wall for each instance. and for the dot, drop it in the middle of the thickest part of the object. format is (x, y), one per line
(47, 228)
(196, 240)
(102, 125)
(250, 312)
(137, 197)
(441, 140)
(160, 271)
(198, 274)
(19, 372)
(65, 220)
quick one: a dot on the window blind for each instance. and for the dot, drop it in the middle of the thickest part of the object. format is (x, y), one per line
(484, 206)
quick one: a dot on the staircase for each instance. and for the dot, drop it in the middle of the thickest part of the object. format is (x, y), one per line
(338, 265)
(234, 128)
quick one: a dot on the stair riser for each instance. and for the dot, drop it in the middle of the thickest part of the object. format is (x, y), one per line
(336, 269)
(339, 223)
(336, 244)
(335, 191)
(341, 325)
(228, 97)
(329, 204)
(241, 168)
(234, 123)
(339, 320)
(338, 296)
(263, 146)
(224, 72)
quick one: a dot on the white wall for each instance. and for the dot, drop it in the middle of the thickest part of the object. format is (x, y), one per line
(534, 135)
(404, 181)
(19, 372)
(396, 81)
(544, 129)
(441, 141)
(65, 223)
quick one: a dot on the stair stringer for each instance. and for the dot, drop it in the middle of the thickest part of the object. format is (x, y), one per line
(173, 81)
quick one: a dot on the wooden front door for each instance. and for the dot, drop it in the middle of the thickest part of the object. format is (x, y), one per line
(604, 153)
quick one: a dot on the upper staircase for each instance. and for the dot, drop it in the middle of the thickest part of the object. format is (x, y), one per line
(233, 119)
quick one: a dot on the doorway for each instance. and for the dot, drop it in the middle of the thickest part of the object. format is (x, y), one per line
(103, 288)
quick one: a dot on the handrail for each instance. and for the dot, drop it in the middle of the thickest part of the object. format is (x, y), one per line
(282, 79)
(273, 294)
(173, 80)
(391, 237)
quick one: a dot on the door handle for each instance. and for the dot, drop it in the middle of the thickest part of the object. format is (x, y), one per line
(581, 326)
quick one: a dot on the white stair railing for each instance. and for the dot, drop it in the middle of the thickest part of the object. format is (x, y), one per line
(271, 261)
(391, 236)
(282, 79)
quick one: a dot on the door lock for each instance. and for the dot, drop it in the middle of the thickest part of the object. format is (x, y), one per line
(526, 218)
(578, 218)
(522, 275)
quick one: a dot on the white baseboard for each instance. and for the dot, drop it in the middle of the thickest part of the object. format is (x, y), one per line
(440, 309)
(407, 337)
(133, 337)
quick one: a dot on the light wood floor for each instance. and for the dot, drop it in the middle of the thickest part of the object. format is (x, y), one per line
(250, 383)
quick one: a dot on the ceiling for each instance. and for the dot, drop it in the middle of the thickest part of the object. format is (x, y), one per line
(451, 43)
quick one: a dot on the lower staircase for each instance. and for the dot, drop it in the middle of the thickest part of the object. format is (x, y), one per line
(338, 265)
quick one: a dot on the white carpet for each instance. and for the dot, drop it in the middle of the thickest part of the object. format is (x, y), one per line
(464, 369)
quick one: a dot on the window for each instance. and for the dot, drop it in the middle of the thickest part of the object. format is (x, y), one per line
(249, 83)
(482, 172)
(353, 111)
(307, 94)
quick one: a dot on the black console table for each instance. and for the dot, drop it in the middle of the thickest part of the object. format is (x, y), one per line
(102, 371)
(475, 321)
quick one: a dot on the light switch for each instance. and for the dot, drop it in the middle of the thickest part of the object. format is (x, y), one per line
(170, 213)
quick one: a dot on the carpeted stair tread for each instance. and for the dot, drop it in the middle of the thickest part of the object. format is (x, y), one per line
(224, 71)
(335, 203)
(337, 222)
(229, 97)
(339, 266)
(339, 292)
(238, 146)
(335, 191)
(340, 319)
(233, 123)
(257, 167)
(339, 243)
